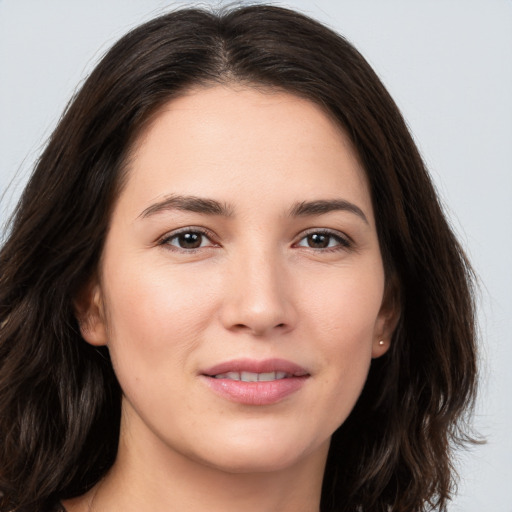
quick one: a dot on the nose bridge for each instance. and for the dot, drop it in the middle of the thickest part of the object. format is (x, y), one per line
(259, 298)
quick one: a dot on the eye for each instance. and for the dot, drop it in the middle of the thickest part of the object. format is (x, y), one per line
(188, 239)
(324, 240)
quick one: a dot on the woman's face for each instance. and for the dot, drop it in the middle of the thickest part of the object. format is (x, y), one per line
(241, 285)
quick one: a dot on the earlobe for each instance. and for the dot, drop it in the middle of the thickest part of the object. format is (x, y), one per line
(90, 314)
(380, 347)
(387, 321)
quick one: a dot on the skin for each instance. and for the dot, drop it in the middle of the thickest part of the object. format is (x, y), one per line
(258, 286)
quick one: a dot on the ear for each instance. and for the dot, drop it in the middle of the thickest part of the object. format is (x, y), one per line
(90, 313)
(388, 318)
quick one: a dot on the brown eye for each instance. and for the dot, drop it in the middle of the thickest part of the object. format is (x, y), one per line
(188, 240)
(318, 240)
(324, 240)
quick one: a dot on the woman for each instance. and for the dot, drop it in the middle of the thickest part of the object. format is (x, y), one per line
(230, 273)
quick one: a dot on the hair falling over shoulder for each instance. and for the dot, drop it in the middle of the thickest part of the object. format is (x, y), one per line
(59, 397)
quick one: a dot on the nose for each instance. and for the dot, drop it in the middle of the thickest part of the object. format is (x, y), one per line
(259, 296)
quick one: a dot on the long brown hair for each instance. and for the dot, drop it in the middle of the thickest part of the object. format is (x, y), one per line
(59, 398)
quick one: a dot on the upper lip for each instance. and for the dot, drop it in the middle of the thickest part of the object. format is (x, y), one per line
(256, 366)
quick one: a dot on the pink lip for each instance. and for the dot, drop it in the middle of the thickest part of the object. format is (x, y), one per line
(254, 366)
(256, 393)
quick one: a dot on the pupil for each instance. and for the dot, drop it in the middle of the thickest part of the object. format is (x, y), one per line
(190, 240)
(318, 241)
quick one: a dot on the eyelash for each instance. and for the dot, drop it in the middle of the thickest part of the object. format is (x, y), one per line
(343, 242)
(166, 240)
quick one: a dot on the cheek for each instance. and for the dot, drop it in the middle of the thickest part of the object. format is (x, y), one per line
(343, 314)
(156, 320)
(157, 315)
(345, 305)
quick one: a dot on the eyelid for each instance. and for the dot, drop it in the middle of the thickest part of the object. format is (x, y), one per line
(345, 242)
(164, 240)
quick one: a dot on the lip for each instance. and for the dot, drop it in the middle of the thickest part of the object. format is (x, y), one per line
(255, 366)
(255, 393)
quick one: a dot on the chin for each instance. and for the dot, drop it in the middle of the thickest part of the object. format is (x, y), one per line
(266, 456)
(245, 464)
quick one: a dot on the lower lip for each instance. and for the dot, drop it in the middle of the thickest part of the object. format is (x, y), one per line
(256, 393)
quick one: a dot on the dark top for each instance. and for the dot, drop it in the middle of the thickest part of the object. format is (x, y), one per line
(57, 508)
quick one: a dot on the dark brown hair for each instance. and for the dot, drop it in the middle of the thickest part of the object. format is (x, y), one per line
(59, 397)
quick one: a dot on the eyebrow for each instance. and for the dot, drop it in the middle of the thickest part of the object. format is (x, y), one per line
(189, 204)
(321, 207)
(212, 207)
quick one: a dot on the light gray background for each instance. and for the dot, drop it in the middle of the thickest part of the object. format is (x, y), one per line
(448, 64)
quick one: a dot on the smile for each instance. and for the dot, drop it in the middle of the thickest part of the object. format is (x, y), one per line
(252, 382)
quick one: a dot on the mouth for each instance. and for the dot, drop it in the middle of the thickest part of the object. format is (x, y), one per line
(253, 377)
(252, 382)
(251, 370)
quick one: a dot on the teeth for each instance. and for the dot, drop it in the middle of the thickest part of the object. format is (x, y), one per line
(229, 375)
(252, 377)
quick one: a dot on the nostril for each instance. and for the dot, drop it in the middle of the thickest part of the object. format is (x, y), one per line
(257, 330)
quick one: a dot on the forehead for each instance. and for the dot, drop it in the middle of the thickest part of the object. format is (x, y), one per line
(227, 141)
